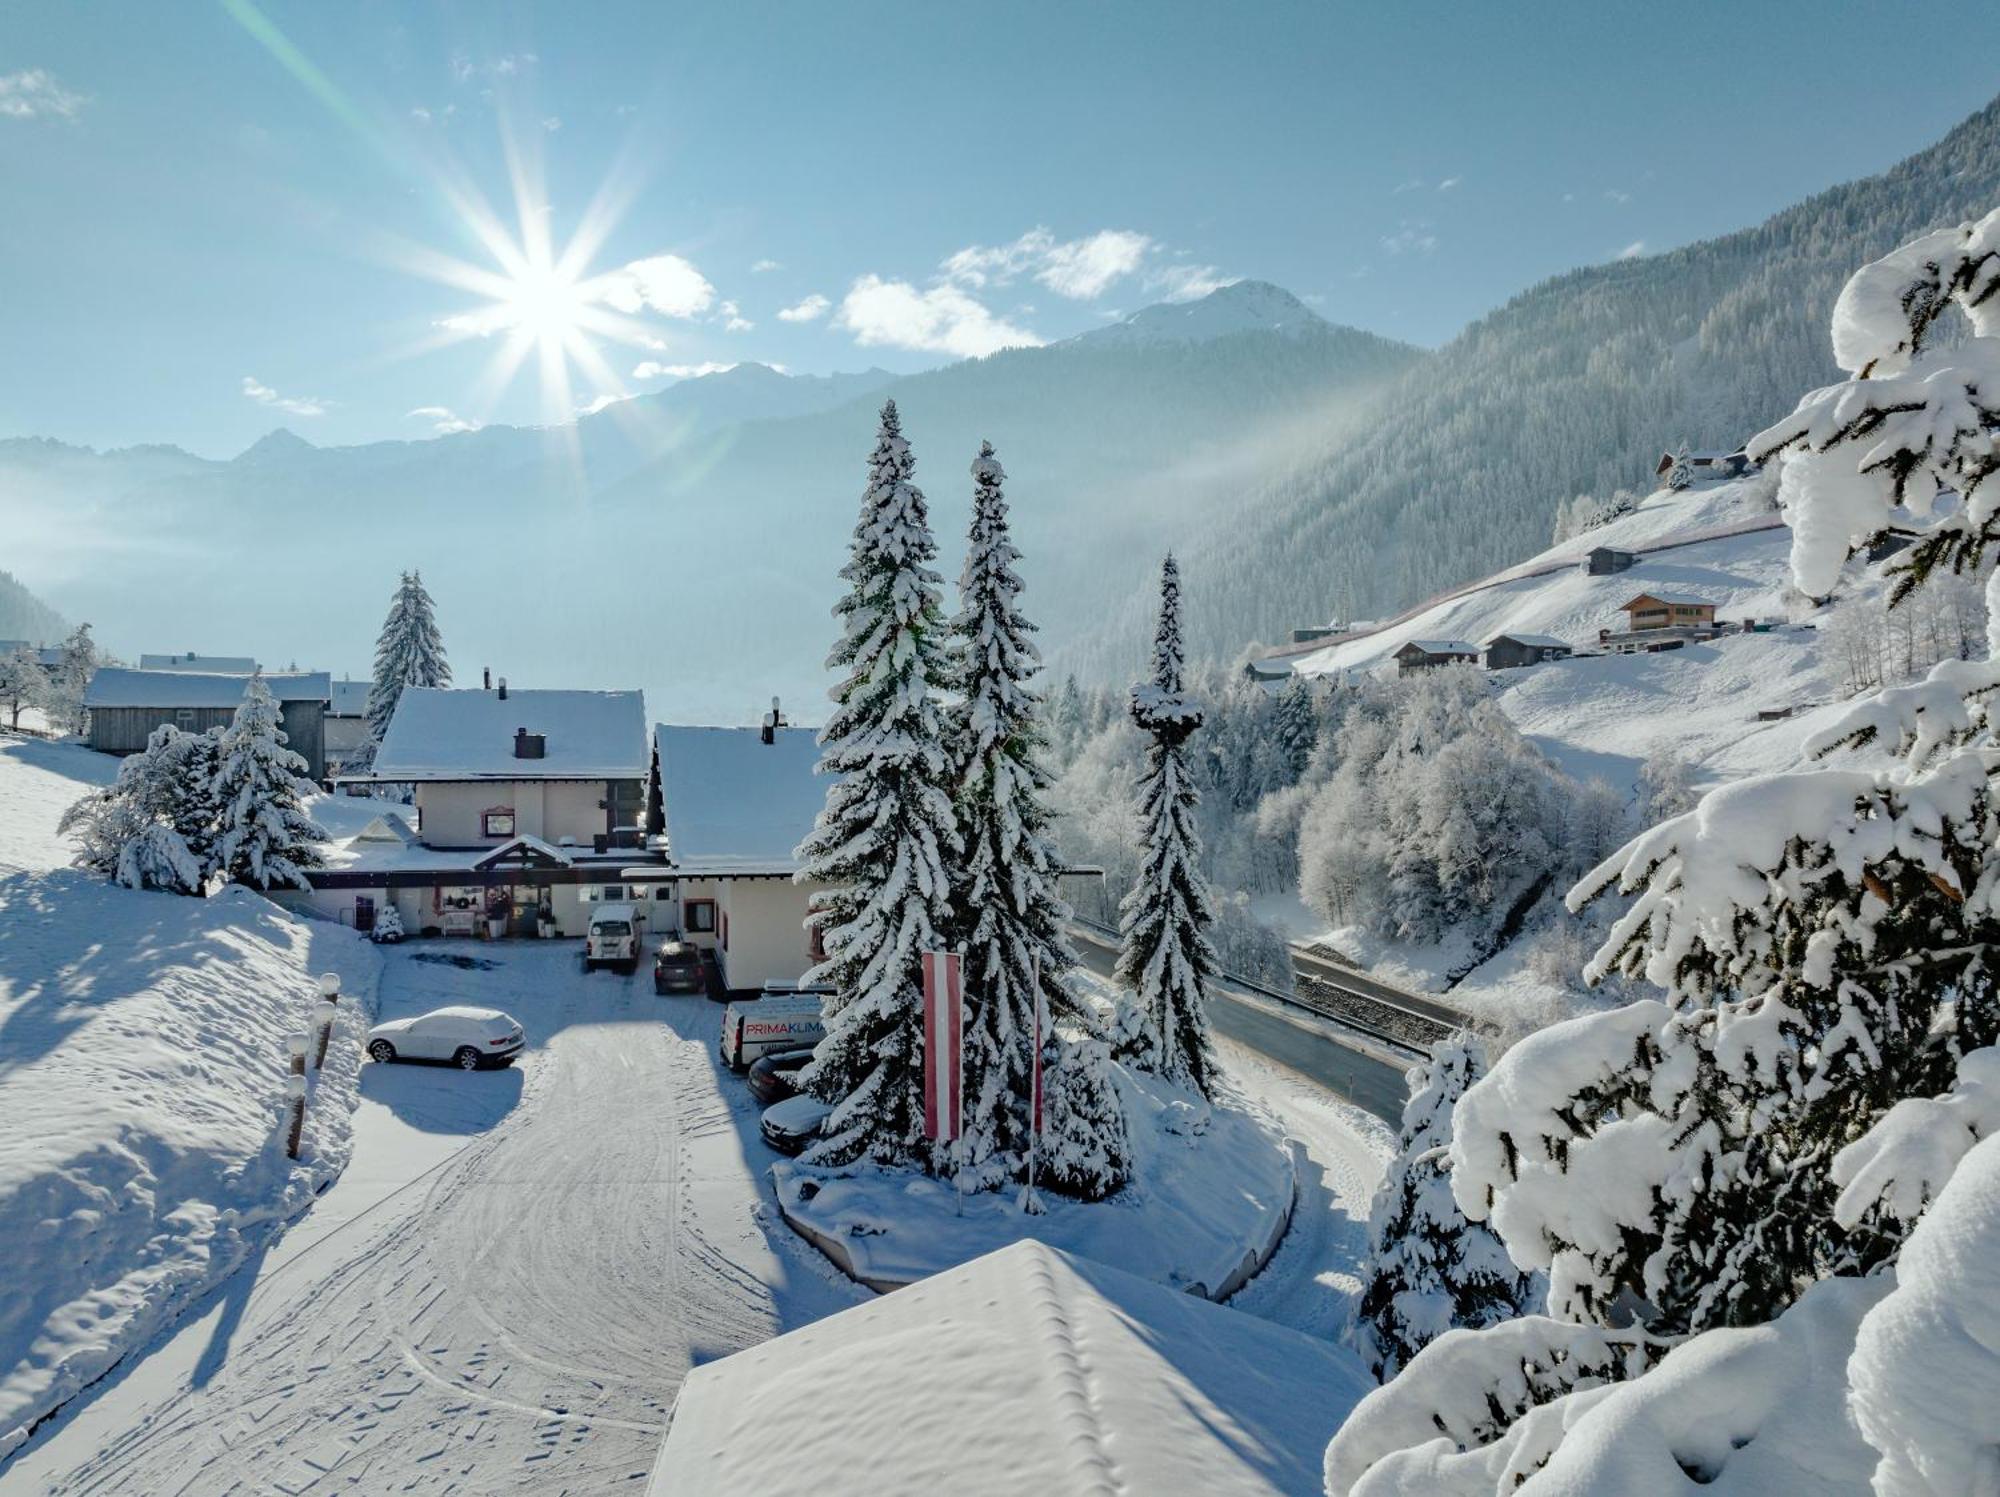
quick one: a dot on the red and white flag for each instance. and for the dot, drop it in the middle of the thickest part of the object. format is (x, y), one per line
(1039, 1021)
(944, 1045)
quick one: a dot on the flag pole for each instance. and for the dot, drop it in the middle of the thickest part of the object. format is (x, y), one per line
(1029, 1205)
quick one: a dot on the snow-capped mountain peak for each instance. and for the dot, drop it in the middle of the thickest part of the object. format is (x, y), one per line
(279, 443)
(1240, 307)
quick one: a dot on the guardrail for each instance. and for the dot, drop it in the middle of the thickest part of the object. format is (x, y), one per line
(1325, 1006)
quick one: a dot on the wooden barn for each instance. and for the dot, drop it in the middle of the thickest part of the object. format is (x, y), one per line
(1506, 651)
(1427, 654)
(1605, 560)
(127, 705)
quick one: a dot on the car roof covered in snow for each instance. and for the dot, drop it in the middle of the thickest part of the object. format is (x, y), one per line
(463, 1011)
(350, 698)
(441, 734)
(228, 665)
(121, 686)
(734, 803)
(968, 1382)
(1536, 641)
(1445, 646)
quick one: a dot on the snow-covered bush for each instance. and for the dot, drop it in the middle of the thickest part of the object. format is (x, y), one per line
(1803, 1106)
(154, 827)
(1008, 917)
(1165, 957)
(886, 841)
(1430, 1269)
(264, 837)
(388, 928)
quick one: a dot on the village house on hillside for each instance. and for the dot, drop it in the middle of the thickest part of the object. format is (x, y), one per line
(126, 705)
(224, 665)
(1705, 466)
(1427, 654)
(1603, 561)
(1506, 651)
(1661, 621)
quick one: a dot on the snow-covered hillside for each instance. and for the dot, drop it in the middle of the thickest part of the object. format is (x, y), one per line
(142, 1077)
(1600, 717)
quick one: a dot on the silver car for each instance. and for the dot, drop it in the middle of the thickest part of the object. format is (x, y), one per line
(466, 1037)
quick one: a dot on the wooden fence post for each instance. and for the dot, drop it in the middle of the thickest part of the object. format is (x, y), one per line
(329, 995)
(295, 1088)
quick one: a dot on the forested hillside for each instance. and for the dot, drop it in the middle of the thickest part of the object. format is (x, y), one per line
(1575, 386)
(25, 616)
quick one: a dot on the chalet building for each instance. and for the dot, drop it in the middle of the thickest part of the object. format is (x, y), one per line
(1707, 466)
(733, 805)
(1603, 561)
(527, 807)
(218, 665)
(48, 657)
(126, 705)
(1507, 651)
(1427, 654)
(1661, 621)
(347, 740)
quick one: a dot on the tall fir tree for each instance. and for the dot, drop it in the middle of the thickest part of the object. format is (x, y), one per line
(409, 652)
(1296, 729)
(1431, 1269)
(1010, 917)
(1166, 958)
(887, 838)
(265, 838)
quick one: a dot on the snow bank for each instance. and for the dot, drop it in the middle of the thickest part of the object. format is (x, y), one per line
(142, 1091)
(1027, 1370)
(1210, 1198)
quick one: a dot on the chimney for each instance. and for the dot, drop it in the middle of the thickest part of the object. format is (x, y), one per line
(503, 688)
(773, 720)
(486, 678)
(529, 745)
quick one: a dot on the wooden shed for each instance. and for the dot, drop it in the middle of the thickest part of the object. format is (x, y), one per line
(1505, 651)
(1426, 654)
(127, 705)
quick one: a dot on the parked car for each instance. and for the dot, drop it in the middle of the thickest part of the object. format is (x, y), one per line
(466, 1037)
(613, 938)
(754, 1028)
(677, 969)
(793, 1123)
(774, 1076)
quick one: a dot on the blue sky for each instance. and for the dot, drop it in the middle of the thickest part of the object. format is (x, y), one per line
(222, 218)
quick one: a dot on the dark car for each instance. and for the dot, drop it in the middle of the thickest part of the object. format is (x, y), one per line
(677, 969)
(775, 1077)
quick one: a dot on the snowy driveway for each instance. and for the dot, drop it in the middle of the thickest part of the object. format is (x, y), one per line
(506, 1288)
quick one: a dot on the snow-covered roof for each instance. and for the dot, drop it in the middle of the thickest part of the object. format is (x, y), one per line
(441, 734)
(1533, 641)
(390, 828)
(1445, 646)
(733, 802)
(1672, 600)
(968, 1382)
(228, 665)
(560, 856)
(350, 699)
(121, 686)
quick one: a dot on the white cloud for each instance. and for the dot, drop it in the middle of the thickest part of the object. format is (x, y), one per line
(941, 319)
(1410, 239)
(1633, 250)
(35, 94)
(764, 267)
(551, 123)
(811, 309)
(263, 394)
(1080, 269)
(592, 407)
(1412, 184)
(667, 284)
(652, 370)
(1187, 282)
(1614, 195)
(733, 320)
(1448, 183)
(444, 421)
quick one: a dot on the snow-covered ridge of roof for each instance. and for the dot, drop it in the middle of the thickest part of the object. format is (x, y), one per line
(733, 802)
(121, 686)
(350, 698)
(226, 665)
(1446, 646)
(1673, 600)
(1534, 641)
(969, 1382)
(439, 733)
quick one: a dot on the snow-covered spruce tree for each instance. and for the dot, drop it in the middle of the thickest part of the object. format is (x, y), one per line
(1296, 731)
(1826, 939)
(264, 837)
(1165, 956)
(146, 830)
(1430, 1268)
(409, 652)
(887, 838)
(1008, 916)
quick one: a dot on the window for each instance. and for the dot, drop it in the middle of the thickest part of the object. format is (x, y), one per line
(614, 893)
(499, 821)
(698, 916)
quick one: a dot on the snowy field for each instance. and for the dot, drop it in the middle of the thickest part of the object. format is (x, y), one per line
(142, 1072)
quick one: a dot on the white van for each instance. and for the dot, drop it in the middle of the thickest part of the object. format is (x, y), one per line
(613, 937)
(762, 1025)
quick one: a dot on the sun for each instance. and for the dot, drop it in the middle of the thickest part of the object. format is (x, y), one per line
(546, 303)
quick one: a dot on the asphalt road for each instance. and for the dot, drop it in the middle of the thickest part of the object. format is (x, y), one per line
(1357, 981)
(1304, 1045)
